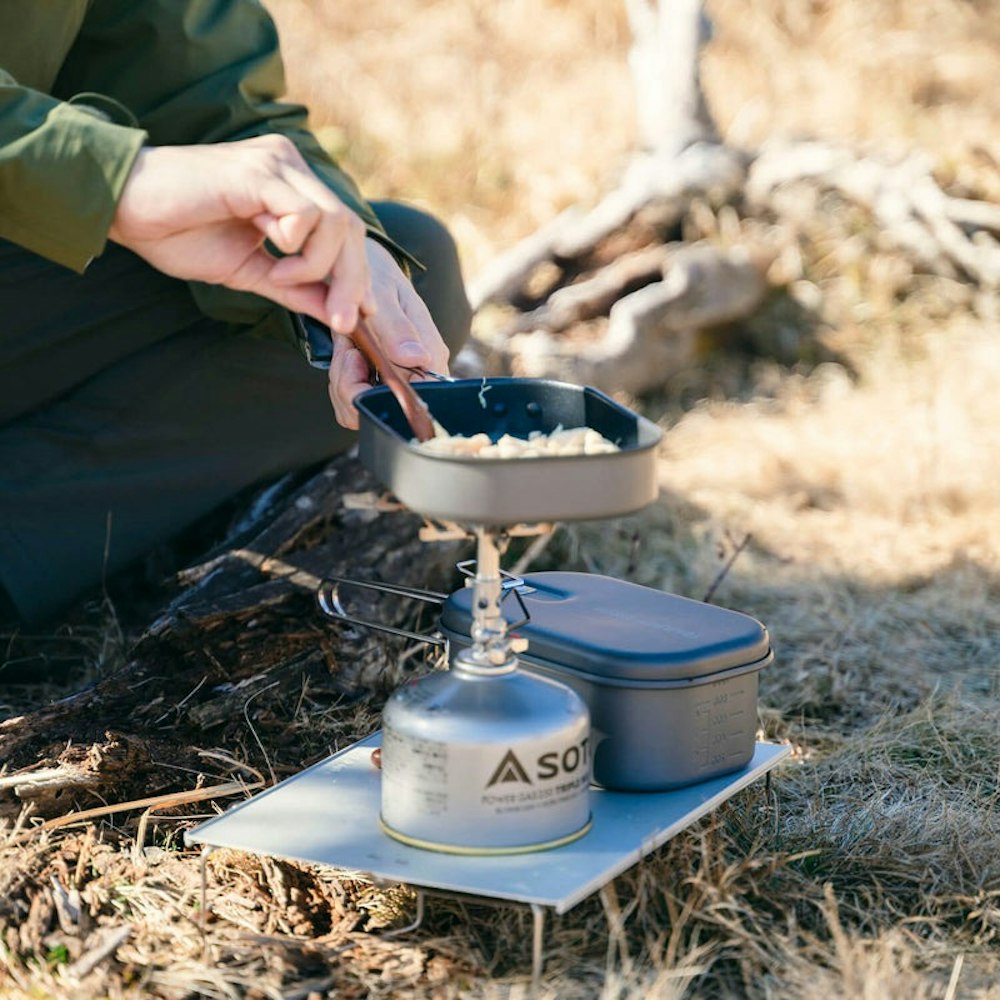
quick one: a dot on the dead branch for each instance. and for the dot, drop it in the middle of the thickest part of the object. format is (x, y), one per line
(86, 963)
(651, 332)
(158, 801)
(708, 171)
(78, 770)
(508, 272)
(942, 233)
(48, 781)
(594, 296)
(678, 157)
(726, 567)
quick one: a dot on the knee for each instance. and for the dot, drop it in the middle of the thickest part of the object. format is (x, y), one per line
(423, 234)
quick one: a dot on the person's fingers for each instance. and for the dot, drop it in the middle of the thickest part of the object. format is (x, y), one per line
(326, 241)
(350, 291)
(253, 274)
(336, 231)
(205, 213)
(339, 244)
(404, 325)
(308, 299)
(336, 270)
(419, 316)
(407, 331)
(282, 213)
(348, 376)
(293, 231)
(398, 337)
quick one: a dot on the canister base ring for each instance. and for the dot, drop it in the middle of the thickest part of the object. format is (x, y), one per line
(431, 845)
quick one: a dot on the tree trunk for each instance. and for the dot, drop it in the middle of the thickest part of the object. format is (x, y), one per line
(667, 36)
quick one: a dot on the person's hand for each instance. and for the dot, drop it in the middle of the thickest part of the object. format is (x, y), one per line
(403, 327)
(202, 213)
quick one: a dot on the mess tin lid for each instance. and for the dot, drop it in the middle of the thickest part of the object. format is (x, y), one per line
(613, 629)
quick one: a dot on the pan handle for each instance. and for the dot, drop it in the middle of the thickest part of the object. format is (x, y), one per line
(314, 340)
(328, 596)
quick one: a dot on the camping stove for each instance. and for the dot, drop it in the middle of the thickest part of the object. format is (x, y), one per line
(670, 683)
(485, 758)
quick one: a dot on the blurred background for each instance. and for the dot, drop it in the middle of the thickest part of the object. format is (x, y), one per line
(829, 465)
(496, 114)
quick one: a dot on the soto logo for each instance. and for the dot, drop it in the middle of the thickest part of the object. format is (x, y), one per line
(548, 765)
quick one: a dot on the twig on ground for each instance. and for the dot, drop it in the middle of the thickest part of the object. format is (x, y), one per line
(246, 715)
(183, 701)
(155, 801)
(956, 972)
(726, 567)
(86, 964)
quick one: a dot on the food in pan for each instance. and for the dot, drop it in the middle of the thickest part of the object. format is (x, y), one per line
(569, 441)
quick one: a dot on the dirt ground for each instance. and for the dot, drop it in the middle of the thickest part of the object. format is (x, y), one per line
(852, 505)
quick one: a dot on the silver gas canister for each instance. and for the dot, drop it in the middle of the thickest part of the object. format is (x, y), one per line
(485, 759)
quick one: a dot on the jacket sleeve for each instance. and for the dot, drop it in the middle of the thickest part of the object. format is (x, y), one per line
(197, 71)
(202, 71)
(63, 165)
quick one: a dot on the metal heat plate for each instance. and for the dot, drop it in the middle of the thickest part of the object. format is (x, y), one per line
(328, 815)
(497, 492)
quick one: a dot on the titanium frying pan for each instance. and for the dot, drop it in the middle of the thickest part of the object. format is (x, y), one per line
(499, 492)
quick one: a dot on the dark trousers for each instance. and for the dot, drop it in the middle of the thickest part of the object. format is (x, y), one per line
(126, 415)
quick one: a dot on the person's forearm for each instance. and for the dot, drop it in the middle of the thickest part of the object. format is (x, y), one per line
(201, 72)
(202, 213)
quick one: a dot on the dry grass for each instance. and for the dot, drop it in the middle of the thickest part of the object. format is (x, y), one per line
(902, 75)
(870, 491)
(498, 114)
(872, 511)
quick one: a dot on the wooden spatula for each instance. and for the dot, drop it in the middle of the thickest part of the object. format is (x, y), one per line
(413, 407)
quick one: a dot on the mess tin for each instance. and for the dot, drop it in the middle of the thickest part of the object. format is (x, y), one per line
(469, 490)
(671, 683)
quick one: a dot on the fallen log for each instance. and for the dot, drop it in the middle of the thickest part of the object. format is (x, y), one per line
(250, 610)
(318, 531)
(651, 332)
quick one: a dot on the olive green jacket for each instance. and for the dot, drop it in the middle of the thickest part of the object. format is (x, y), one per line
(85, 83)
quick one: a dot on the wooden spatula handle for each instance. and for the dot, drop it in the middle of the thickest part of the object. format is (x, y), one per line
(414, 408)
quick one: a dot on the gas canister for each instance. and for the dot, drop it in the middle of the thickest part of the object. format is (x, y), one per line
(485, 760)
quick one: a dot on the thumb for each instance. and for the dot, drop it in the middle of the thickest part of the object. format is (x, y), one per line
(287, 233)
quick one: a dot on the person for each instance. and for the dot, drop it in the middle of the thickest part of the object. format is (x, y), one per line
(166, 220)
